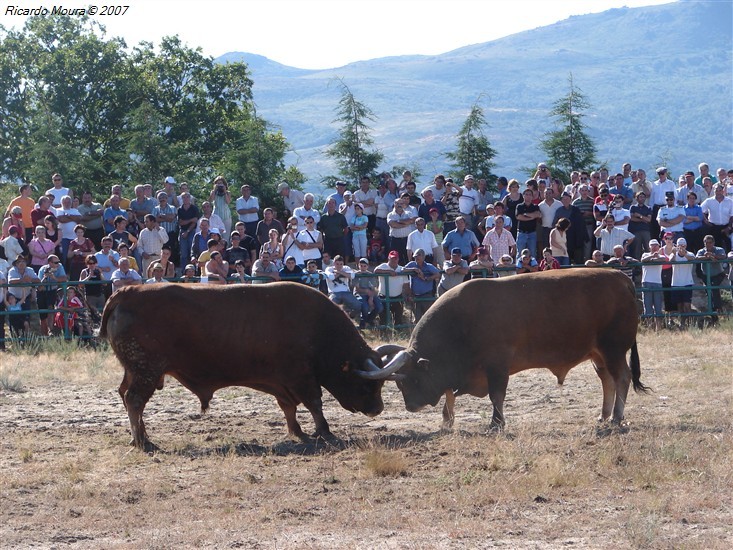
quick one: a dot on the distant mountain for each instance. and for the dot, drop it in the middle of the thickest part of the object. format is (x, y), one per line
(660, 81)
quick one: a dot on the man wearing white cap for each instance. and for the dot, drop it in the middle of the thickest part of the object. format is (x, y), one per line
(169, 189)
(682, 281)
(651, 281)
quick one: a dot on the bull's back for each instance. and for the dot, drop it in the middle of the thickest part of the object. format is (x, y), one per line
(544, 319)
(215, 331)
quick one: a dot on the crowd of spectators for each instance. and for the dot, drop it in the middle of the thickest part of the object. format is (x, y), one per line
(419, 243)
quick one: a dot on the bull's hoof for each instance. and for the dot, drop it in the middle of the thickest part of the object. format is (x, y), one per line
(146, 446)
(325, 435)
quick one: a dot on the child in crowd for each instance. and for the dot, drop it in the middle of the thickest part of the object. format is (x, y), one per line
(312, 276)
(19, 325)
(376, 253)
(526, 263)
(548, 260)
(359, 232)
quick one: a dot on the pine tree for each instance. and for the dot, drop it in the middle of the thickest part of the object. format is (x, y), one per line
(351, 150)
(474, 154)
(569, 147)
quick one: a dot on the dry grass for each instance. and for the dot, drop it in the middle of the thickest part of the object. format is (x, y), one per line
(554, 478)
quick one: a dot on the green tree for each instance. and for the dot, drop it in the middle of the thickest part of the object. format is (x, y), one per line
(569, 147)
(351, 150)
(74, 101)
(473, 154)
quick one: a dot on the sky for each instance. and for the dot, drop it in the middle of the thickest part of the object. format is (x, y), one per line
(324, 34)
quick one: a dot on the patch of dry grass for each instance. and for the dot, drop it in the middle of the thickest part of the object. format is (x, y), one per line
(555, 478)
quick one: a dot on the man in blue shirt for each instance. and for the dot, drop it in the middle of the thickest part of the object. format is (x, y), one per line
(462, 238)
(422, 283)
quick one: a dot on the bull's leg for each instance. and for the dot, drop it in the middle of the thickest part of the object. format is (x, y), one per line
(289, 408)
(123, 388)
(621, 373)
(497, 392)
(136, 397)
(609, 388)
(448, 410)
(315, 407)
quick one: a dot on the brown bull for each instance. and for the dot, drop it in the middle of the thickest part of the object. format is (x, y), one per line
(284, 339)
(481, 332)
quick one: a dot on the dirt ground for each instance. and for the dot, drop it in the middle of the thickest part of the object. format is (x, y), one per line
(231, 479)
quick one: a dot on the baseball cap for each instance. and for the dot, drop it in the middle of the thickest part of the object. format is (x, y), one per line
(681, 241)
(467, 177)
(661, 170)
(363, 261)
(482, 250)
(394, 254)
(455, 250)
(282, 187)
(341, 183)
(654, 241)
(170, 179)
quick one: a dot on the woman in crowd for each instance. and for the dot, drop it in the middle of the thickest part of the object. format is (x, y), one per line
(169, 268)
(94, 289)
(52, 230)
(559, 241)
(511, 200)
(274, 247)
(79, 249)
(220, 197)
(40, 248)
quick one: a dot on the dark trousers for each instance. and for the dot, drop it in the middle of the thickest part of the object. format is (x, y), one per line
(334, 246)
(720, 240)
(396, 309)
(400, 245)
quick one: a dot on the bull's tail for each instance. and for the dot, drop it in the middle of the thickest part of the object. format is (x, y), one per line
(635, 371)
(108, 309)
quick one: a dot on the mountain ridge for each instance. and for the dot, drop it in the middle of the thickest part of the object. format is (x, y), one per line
(658, 78)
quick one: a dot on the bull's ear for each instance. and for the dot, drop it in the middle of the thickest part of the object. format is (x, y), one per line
(423, 363)
(346, 367)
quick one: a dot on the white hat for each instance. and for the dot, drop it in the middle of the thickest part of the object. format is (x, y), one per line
(170, 179)
(282, 187)
(681, 241)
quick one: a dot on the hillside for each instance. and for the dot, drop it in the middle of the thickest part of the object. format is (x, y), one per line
(660, 81)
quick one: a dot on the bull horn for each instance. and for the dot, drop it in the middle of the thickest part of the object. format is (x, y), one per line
(388, 349)
(381, 374)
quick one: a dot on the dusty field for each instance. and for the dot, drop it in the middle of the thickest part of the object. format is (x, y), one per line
(230, 479)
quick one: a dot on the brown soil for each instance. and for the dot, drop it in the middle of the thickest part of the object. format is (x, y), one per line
(231, 479)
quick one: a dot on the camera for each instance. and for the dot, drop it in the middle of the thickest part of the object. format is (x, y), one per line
(220, 189)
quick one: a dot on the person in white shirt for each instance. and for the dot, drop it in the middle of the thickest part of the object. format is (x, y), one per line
(651, 280)
(338, 277)
(68, 218)
(391, 286)
(302, 212)
(248, 208)
(422, 239)
(292, 198)
(468, 200)
(58, 191)
(547, 207)
(682, 280)
(151, 241)
(718, 214)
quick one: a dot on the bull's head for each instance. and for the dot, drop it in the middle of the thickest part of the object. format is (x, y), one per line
(411, 373)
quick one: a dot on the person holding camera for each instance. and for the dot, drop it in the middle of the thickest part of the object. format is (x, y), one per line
(220, 197)
(52, 273)
(94, 289)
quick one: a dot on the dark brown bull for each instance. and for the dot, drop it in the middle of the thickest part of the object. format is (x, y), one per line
(284, 339)
(478, 334)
